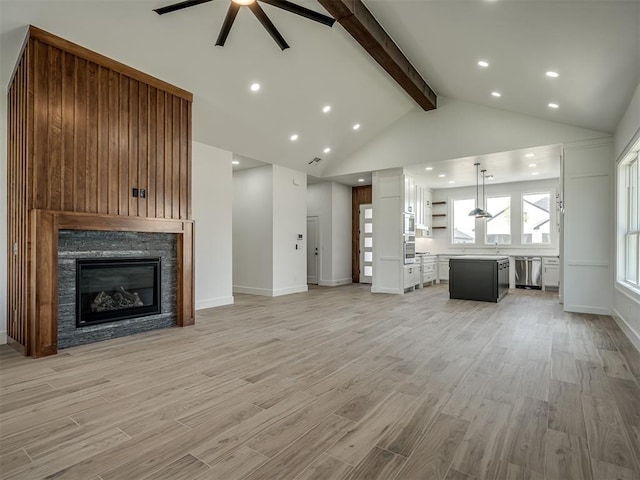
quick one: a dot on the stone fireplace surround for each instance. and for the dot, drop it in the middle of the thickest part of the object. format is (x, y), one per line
(82, 244)
(43, 266)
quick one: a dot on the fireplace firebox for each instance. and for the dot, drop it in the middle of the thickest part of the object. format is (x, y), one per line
(111, 289)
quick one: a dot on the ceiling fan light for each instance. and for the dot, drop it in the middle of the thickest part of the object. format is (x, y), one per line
(243, 2)
(476, 212)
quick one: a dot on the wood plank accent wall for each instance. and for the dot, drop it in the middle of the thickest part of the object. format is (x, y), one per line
(83, 131)
(359, 196)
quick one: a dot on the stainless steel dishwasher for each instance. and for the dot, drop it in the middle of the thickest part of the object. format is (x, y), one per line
(529, 272)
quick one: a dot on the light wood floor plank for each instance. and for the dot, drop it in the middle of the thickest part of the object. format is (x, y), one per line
(567, 457)
(335, 383)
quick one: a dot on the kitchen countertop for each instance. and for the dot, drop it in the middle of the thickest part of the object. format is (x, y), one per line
(482, 257)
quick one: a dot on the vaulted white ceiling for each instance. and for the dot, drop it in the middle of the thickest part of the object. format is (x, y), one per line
(593, 45)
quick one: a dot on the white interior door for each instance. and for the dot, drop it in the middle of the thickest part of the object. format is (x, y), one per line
(313, 254)
(366, 243)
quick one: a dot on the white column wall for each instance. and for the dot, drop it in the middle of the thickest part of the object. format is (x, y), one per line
(253, 231)
(387, 232)
(588, 225)
(331, 202)
(289, 220)
(341, 234)
(212, 200)
(319, 204)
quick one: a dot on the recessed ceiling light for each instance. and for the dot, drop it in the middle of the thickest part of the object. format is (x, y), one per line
(235, 162)
(532, 165)
(255, 87)
(356, 126)
(428, 169)
(530, 155)
(327, 150)
(442, 175)
(451, 181)
(496, 94)
(361, 179)
(535, 173)
(552, 74)
(294, 137)
(327, 109)
(553, 105)
(483, 63)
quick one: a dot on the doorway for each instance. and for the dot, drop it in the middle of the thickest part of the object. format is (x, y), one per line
(366, 243)
(313, 253)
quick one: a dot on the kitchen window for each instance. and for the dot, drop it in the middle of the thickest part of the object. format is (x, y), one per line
(629, 203)
(464, 226)
(498, 230)
(536, 218)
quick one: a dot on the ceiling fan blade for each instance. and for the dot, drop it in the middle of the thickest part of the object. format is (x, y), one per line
(228, 22)
(302, 11)
(179, 6)
(268, 25)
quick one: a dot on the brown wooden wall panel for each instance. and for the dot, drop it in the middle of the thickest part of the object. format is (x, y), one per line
(92, 128)
(17, 202)
(359, 196)
(83, 131)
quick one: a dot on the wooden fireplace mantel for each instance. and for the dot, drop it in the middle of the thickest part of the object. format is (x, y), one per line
(45, 225)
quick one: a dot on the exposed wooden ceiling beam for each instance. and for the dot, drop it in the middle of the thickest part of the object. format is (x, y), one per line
(362, 25)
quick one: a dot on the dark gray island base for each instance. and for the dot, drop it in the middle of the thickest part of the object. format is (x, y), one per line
(483, 278)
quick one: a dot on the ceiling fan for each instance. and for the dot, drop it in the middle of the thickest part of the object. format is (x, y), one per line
(257, 11)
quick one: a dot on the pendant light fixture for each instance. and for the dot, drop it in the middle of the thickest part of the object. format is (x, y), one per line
(476, 212)
(484, 213)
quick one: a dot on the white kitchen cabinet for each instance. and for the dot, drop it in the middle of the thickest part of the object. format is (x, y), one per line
(427, 212)
(411, 276)
(443, 269)
(409, 194)
(550, 272)
(419, 206)
(429, 269)
(423, 210)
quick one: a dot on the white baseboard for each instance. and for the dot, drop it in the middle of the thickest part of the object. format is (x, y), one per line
(267, 292)
(214, 302)
(289, 290)
(387, 290)
(335, 283)
(587, 309)
(631, 334)
(3, 337)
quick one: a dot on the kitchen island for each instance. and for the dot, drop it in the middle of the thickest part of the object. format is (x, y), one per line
(479, 277)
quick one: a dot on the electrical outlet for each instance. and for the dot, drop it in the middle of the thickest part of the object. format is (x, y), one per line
(143, 193)
(15, 248)
(134, 192)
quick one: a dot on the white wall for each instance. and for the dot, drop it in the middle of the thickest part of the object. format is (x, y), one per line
(319, 204)
(587, 258)
(331, 202)
(628, 130)
(3, 216)
(341, 231)
(456, 129)
(289, 220)
(441, 242)
(626, 303)
(253, 231)
(212, 200)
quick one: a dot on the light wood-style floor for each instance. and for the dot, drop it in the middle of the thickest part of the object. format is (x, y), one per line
(335, 384)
